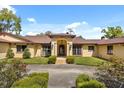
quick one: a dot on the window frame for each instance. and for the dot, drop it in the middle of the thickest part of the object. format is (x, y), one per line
(77, 50)
(110, 49)
(91, 49)
(22, 48)
(46, 50)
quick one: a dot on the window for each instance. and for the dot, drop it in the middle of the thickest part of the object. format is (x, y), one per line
(76, 49)
(110, 49)
(46, 50)
(20, 48)
(90, 48)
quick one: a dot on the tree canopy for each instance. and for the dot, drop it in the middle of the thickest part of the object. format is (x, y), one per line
(113, 32)
(9, 21)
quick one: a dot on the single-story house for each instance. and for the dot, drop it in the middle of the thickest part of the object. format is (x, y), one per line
(61, 45)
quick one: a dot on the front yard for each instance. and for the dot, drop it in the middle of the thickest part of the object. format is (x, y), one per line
(35, 60)
(90, 61)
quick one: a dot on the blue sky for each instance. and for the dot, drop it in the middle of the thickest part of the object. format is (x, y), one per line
(84, 20)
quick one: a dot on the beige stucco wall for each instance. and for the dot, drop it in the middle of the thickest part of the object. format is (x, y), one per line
(118, 51)
(35, 50)
(3, 49)
(87, 53)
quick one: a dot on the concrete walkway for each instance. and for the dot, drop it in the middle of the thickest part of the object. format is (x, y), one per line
(62, 76)
(61, 60)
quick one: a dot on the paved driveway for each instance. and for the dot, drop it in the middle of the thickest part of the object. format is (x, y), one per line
(62, 75)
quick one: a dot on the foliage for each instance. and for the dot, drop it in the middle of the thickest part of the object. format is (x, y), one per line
(12, 72)
(91, 84)
(48, 33)
(26, 53)
(70, 59)
(82, 78)
(34, 80)
(9, 21)
(113, 32)
(112, 74)
(90, 61)
(84, 81)
(34, 60)
(52, 60)
(10, 53)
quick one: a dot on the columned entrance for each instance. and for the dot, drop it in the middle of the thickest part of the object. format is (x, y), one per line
(61, 48)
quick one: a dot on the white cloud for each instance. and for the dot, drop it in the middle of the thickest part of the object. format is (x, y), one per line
(80, 28)
(31, 33)
(32, 20)
(73, 25)
(8, 7)
(85, 23)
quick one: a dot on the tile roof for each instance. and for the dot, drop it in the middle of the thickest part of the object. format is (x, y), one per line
(112, 41)
(39, 39)
(24, 40)
(79, 40)
(3, 41)
(76, 40)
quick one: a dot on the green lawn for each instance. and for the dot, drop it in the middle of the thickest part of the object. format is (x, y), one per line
(91, 61)
(35, 60)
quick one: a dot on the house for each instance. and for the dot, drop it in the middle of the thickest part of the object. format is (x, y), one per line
(61, 45)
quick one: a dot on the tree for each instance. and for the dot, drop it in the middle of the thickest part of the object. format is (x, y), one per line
(9, 21)
(10, 53)
(12, 72)
(113, 32)
(26, 53)
(70, 31)
(48, 33)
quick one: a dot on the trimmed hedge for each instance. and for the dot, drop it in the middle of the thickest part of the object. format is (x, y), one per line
(82, 77)
(91, 84)
(52, 60)
(70, 59)
(34, 80)
(84, 81)
(26, 53)
(10, 53)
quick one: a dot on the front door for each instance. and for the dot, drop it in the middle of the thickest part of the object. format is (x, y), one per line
(61, 50)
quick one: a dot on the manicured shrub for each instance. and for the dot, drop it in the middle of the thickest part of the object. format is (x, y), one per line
(26, 53)
(10, 53)
(34, 80)
(52, 60)
(70, 60)
(81, 78)
(91, 84)
(84, 81)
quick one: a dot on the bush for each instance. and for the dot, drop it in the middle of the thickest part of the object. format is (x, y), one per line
(10, 53)
(34, 80)
(84, 81)
(26, 53)
(70, 60)
(112, 74)
(12, 72)
(82, 77)
(52, 60)
(91, 84)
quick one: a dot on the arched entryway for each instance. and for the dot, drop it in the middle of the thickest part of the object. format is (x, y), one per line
(61, 48)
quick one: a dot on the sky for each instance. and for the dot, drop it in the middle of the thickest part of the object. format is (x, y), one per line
(87, 21)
